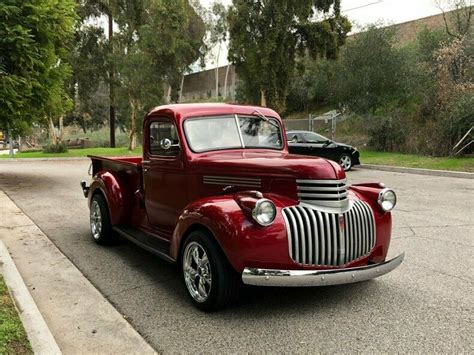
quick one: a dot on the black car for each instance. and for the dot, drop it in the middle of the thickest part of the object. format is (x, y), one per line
(310, 143)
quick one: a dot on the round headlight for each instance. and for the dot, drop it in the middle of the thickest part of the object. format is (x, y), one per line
(264, 212)
(387, 199)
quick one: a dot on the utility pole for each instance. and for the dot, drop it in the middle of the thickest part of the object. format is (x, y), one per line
(111, 83)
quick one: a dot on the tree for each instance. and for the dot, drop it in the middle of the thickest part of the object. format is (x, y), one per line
(108, 8)
(373, 71)
(156, 44)
(89, 74)
(34, 38)
(266, 35)
(217, 30)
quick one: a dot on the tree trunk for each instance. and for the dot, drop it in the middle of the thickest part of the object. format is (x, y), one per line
(263, 100)
(52, 132)
(132, 137)
(225, 81)
(181, 88)
(111, 86)
(10, 140)
(217, 71)
(61, 129)
(168, 94)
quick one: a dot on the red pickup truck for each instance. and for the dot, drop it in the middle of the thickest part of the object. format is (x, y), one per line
(218, 193)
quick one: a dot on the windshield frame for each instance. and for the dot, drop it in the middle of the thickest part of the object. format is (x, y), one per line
(242, 146)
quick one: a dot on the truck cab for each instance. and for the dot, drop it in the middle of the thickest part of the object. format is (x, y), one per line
(218, 193)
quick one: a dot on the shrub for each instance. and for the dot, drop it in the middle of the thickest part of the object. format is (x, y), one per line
(55, 148)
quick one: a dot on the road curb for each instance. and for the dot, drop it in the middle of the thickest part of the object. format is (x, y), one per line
(80, 318)
(9, 160)
(445, 173)
(39, 335)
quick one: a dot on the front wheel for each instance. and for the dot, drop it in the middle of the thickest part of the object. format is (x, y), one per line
(346, 162)
(210, 280)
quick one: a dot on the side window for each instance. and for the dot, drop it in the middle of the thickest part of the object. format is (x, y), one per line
(163, 139)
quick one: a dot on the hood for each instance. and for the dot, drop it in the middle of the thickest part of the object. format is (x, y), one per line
(268, 163)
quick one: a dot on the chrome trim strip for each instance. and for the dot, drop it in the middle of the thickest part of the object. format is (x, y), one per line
(315, 188)
(338, 195)
(301, 181)
(229, 180)
(215, 177)
(288, 232)
(321, 240)
(309, 278)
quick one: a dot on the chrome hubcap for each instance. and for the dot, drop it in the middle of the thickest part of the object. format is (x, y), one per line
(345, 162)
(96, 220)
(197, 272)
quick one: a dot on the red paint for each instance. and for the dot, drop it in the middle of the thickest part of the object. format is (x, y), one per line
(166, 197)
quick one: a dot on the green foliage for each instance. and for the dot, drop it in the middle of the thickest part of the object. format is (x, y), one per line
(89, 75)
(373, 71)
(33, 48)
(55, 148)
(13, 339)
(266, 35)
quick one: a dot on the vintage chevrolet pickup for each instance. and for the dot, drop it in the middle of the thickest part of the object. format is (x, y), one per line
(218, 193)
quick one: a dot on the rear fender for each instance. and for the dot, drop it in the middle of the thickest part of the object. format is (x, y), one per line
(111, 187)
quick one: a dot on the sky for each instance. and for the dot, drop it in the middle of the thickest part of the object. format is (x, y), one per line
(364, 12)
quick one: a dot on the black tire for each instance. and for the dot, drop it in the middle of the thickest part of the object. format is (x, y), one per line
(225, 282)
(103, 233)
(345, 160)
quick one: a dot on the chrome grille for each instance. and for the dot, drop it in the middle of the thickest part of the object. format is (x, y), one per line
(329, 239)
(328, 193)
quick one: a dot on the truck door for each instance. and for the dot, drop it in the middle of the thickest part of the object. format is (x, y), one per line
(164, 181)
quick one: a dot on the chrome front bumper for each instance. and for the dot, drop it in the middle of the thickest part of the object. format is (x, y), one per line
(307, 278)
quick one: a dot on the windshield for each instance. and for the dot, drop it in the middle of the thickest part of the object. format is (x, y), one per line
(232, 132)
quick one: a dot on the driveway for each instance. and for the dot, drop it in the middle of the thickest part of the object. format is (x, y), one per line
(426, 305)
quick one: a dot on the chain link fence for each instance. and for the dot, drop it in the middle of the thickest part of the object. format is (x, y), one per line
(324, 124)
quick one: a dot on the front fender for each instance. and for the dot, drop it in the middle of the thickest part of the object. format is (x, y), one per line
(110, 185)
(240, 238)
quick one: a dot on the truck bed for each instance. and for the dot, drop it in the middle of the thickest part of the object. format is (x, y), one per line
(115, 163)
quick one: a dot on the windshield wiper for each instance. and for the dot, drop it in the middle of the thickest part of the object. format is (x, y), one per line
(265, 118)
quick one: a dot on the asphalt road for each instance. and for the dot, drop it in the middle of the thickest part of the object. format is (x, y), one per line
(426, 305)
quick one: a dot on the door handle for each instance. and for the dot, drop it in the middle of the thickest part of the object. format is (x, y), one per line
(146, 161)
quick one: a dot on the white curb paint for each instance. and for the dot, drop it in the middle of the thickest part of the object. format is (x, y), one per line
(41, 339)
(397, 169)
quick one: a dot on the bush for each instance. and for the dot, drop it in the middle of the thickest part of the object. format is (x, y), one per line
(55, 148)
(386, 133)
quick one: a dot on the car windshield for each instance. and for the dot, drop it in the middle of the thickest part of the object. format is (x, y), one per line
(232, 132)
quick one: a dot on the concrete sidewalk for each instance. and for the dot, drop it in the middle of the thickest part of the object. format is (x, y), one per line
(79, 317)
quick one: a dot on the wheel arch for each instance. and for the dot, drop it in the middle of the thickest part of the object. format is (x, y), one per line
(109, 186)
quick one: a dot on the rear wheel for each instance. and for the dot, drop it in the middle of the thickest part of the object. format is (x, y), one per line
(101, 228)
(346, 162)
(210, 280)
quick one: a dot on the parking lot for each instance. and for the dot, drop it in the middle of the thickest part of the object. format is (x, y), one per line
(426, 305)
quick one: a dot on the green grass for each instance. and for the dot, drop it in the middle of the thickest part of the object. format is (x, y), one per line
(79, 153)
(367, 157)
(13, 339)
(417, 161)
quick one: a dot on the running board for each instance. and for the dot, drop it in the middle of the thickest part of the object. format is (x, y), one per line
(154, 245)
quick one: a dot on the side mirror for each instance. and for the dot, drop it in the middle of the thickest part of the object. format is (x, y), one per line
(165, 144)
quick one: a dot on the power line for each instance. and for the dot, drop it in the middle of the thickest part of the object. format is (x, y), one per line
(362, 6)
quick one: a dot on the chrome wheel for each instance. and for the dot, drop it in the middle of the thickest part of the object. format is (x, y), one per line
(345, 162)
(95, 220)
(197, 272)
